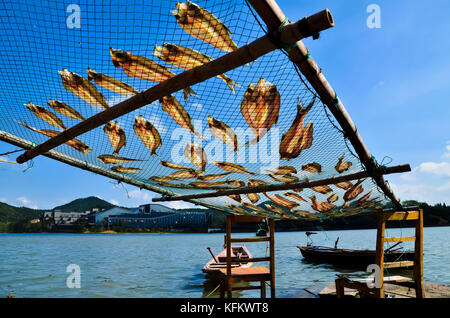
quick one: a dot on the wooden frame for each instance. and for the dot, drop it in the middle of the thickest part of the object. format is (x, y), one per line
(285, 186)
(417, 282)
(248, 274)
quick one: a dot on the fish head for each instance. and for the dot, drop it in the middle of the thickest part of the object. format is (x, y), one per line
(167, 52)
(187, 11)
(31, 106)
(119, 57)
(92, 74)
(70, 78)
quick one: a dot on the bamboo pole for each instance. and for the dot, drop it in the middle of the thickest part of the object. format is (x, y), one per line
(288, 35)
(272, 15)
(288, 186)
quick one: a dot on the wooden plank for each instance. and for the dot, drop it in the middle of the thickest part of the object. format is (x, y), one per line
(400, 239)
(245, 219)
(379, 252)
(272, 257)
(256, 259)
(398, 264)
(272, 15)
(289, 34)
(250, 239)
(284, 186)
(418, 257)
(401, 216)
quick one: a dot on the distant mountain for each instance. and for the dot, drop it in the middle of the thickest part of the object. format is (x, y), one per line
(84, 204)
(9, 213)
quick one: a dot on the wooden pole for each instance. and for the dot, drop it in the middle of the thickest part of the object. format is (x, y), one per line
(272, 15)
(418, 257)
(229, 277)
(379, 257)
(288, 35)
(286, 186)
(272, 257)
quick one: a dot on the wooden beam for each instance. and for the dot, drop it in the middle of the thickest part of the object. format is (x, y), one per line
(289, 34)
(286, 186)
(272, 15)
(401, 216)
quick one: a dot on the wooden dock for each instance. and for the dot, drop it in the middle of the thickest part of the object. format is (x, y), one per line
(393, 291)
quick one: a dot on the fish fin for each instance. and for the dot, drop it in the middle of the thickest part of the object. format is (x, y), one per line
(231, 84)
(252, 142)
(188, 92)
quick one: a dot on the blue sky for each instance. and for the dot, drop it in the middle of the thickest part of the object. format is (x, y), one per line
(393, 82)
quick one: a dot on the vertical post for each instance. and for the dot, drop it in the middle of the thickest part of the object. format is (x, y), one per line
(380, 252)
(263, 289)
(272, 257)
(228, 243)
(418, 257)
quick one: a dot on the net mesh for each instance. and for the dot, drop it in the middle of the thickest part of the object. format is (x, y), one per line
(40, 38)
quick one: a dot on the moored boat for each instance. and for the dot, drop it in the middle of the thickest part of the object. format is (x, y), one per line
(351, 258)
(239, 255)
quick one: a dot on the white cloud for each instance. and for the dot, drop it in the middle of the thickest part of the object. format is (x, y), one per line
(428, 182)
(3, 200)
(26, 203)
(114, 202)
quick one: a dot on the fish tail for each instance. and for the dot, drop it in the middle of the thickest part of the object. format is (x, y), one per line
(188, 92)
(231, 84)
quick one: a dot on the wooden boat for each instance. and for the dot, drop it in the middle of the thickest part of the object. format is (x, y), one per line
(239, 254)
(351, 258)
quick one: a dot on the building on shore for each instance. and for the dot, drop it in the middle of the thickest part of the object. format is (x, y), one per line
(150, 216)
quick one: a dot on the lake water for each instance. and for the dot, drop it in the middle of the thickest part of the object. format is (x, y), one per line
(169, 265)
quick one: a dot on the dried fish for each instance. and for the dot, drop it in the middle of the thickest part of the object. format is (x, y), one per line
(187, 58)
(231, 167)
(342, 165)
(123, 169)
(322, 207)
(196, 155)
(324, 189)
(111, 83)
(223, 132)
(172, 106)
(332, 198)
(144, 68)
(285, 178)
(115, 159)
(345, 185)
(206, 184)
(148, 134)
(283, 170)
(174, 165)
(252, 207)
(236, 183)
(65, 109)
(297, 138)
(253, 197)
(209, 177)
(46, 115)
(260, 108)
(82, 88)
(236, 197)
(161, 179)
(237, 209)
(295, 196)
(184, 174)
(74, 143)
(273, 208)
(203, 25)
(312, 167)
(256, 182)
(116, 136)
(278, 199)
(354, 191)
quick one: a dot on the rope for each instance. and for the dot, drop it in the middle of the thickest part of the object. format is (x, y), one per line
(213, 291)
(10, 152)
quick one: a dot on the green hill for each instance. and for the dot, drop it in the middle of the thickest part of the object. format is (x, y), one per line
(84, 204)
(9, 213)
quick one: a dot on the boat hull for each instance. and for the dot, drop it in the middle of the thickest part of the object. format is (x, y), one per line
(350, 258)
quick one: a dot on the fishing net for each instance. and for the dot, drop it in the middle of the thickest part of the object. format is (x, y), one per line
(40, 38)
